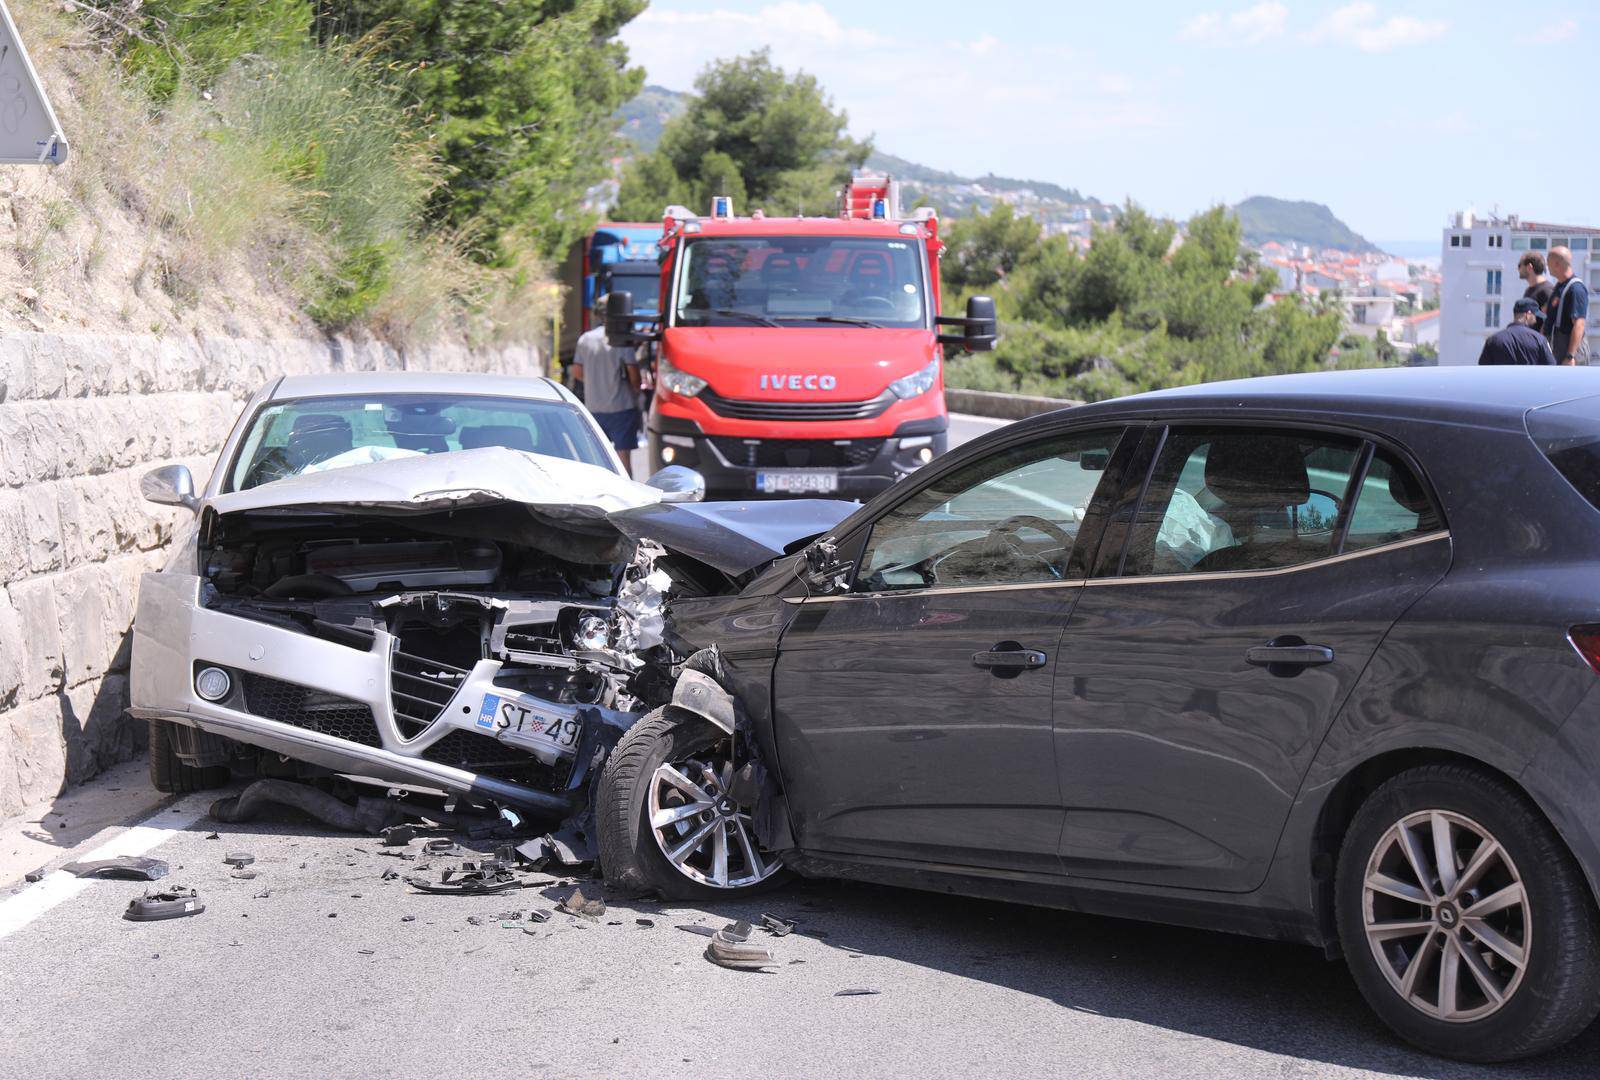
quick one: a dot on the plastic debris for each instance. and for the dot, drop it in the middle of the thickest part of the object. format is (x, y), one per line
(775, 926)
(582, 906)
(390, 875)
(731, 947)
(127, 867)
(399, 835)
(647, 923)
(475, 879)
(209, 836)
(408, 918)
(243, 873)
(703, 931)
(36, 875)
(172, 902)
(860, 991)
(238, 858)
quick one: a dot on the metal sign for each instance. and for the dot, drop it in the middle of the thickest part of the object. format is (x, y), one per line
(30, 134)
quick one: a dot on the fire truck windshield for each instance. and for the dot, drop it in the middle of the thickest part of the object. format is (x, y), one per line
(802, 281)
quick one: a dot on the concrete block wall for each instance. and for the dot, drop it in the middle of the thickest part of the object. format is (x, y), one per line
(82, 418)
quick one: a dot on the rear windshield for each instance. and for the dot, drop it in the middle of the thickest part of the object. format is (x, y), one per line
(1569, 435)
(308, 435)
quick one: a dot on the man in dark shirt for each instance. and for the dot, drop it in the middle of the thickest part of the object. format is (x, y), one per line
(1518, 343)
(1568, 317)
(1530, 268)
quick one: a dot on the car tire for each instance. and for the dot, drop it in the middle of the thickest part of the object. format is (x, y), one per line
(1467, 997)
(169, 774)
(633, 855)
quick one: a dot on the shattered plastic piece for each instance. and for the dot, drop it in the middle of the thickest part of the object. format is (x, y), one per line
(408, 918)
(128, 867)
(172, 902)
(693, 928)
(399, 835)
(775, 926)
(468, 879)
(243, 874)
(857, 992)
(475, 920)
(578, 904)
(209, 836)
(399, 855)
(238, 858)
(390, 875)
(36, 875)
(731, 947)
(644, 922)
(440, 847)
(366, 952)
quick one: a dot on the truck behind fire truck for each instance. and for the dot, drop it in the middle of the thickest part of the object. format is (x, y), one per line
(618, 256)
(800, 355)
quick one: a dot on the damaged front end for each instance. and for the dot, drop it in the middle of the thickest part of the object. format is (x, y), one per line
(390, 621)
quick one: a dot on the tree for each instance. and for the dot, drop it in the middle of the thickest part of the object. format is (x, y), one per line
(984, 248)
(520, 94)
(750, 130)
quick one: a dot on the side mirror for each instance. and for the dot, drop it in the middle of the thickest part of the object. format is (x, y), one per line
(824, 573)
(678, 483)
(980, 329)
(622, 326)
(170, 485)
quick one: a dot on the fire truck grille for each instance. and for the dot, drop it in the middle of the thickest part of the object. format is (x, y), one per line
(797, 453)
(739, 409)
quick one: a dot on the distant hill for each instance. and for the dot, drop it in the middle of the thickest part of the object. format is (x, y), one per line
(1264, 218)
(641, 120)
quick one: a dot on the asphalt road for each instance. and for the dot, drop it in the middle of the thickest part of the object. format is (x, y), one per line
(312, 968)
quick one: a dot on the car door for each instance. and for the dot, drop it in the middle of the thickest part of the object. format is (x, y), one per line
(1203, 666)
(912, 713)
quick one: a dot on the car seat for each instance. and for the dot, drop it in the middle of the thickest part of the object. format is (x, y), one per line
(510, 436)
(1254, 478)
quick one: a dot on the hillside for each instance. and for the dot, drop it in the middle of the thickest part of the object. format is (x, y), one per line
(641, 120)
(1264, 218)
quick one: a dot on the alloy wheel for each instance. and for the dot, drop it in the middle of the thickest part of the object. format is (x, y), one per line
(1447, 916)
(703, 833)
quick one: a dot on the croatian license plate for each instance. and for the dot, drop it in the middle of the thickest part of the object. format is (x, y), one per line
(503, 713)
(797, 482)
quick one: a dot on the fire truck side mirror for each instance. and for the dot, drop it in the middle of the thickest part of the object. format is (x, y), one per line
(619, 319)
(982, 329)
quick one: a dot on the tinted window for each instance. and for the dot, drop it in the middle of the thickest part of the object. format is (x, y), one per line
(308, 435)
(1391, 505)
(1569, 435)
(1010, 518)
(1238, 499)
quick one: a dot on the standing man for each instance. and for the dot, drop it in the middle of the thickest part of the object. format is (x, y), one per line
(1530, 268)
(610, 377)
(1518, 343)
(1568, 316)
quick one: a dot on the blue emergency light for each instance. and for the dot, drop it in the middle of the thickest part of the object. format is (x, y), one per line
(880, 208)
(722, 206)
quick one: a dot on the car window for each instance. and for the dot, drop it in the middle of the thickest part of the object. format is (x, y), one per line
(1391, 505)
(308, 435)
(1009, 518)
(1240, 499)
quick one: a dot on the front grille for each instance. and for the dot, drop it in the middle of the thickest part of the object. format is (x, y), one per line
(419, 689)
(314, 710)
(469, 750)
(740, 409)
(797, 453)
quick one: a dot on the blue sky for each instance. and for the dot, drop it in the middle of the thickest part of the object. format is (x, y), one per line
(1393, 112)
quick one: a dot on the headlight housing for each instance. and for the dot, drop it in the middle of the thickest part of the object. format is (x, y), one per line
(678, 382)
(919, 382)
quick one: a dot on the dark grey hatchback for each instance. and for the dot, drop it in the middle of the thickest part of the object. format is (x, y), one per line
(1311, 657)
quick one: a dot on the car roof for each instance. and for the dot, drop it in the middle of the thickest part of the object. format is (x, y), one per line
(477, 384)
(1486, 396)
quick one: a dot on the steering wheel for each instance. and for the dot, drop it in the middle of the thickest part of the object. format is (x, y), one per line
(1011, 526)
(867, 304)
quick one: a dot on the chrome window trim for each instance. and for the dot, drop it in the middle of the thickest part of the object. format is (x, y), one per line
(1220, 575)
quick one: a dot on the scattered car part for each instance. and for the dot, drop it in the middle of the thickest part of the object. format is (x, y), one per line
(695, 928)
(731, 947)
(648, 924)
(238, 858)
(399, 835)
(582, 906)
(36, 875)
(367, 816)
(775, 926)
(857, 992)
(172, 902)
(125, 867)
(439, 847)
(469, 879)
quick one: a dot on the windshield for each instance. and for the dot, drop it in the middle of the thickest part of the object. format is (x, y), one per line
(310, 435)
(801, 281)
(644, 288)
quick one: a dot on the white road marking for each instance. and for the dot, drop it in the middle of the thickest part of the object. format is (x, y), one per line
(20, 910)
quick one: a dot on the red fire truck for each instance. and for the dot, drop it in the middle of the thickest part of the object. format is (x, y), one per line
(800, 355)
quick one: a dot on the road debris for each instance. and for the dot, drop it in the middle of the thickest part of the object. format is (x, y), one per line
(775, 926)
(731, 947)
(36, 875)
(171, 902)
(368, 815)
(857, 992)
(470, 879)
(408, 918)
(399, 835)
(582, 906)
(648, 924)
(694, 928)
(243, 873)
(238, 858)
(126, 867)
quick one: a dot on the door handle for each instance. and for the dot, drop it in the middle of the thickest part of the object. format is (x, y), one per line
(1011, 656)
(1287, 657)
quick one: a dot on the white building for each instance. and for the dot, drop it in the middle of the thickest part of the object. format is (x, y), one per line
(1479, 268)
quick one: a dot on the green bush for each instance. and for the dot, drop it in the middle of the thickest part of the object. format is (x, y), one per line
(194, 41)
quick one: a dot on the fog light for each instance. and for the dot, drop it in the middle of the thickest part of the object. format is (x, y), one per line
(592, 633)
(925, 455)
(669, 454)
(212, 683)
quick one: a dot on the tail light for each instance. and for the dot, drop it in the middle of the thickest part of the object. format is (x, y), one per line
(1586, 639)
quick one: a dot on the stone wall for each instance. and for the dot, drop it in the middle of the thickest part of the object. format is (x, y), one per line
(82, 418)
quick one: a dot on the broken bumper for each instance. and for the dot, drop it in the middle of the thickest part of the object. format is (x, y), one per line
(333, 705)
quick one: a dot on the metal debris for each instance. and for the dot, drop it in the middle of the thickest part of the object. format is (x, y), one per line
(775, 926)
(475, 879)
(243, 873)
(582, 906)
(238, 858)
(171, 902)
(731, 947)
(127, 867)
(693, 928)
(856, 992)
(648, 923)
(399, 835)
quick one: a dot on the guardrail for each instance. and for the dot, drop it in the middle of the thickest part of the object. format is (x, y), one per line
(1001, 406)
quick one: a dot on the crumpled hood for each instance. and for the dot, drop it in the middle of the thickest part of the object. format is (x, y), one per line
(430, 483)
(472, 490)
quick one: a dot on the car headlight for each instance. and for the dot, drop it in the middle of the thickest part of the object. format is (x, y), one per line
(678, 382)
(919, 382)
(593, 633)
